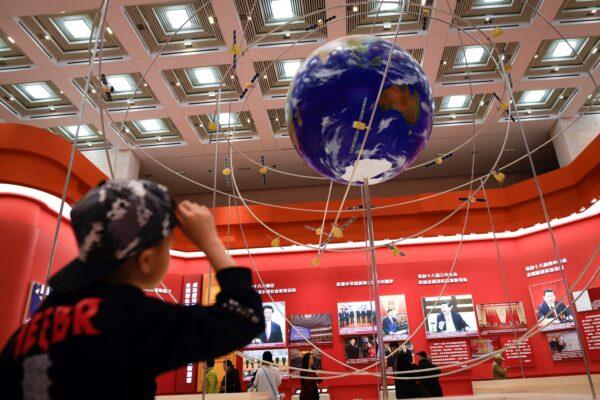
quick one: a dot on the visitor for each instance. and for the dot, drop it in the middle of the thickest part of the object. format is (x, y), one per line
(267, 379)
(308, 380)
(497, 371)
(97, 328)
(405, 388)
(431, 385)
(231, 381)
(211, 377)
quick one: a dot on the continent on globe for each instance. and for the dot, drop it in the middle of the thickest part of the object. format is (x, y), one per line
(400, 98)
(337, 85)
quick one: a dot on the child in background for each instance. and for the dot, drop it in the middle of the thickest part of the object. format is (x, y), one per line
(97, 335)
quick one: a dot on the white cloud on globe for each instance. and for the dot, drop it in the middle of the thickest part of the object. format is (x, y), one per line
(367, 168)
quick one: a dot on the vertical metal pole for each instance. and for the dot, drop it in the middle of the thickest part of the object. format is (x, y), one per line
(368, 215)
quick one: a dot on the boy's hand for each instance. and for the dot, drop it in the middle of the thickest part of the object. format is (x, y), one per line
(197, 223)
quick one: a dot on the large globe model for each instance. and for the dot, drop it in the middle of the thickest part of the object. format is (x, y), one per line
(336, 86)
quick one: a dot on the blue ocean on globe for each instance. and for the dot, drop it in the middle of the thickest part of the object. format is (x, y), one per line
(338, 85)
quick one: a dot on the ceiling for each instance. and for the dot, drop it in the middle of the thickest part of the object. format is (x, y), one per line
(44, 62)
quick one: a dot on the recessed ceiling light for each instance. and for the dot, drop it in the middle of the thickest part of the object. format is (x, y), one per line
(535, 56)
(287, 35)
(456, 101)
(487, 19)
(453, 116)
(555, 69)
(277, 119)
(84, 131)
(589, 96)
(178, 18)
(12, 98)
(533, 96)
(355, 9)
(472, 54)
(47, 37)
(481, 102)
(248, 120)
(387, 25)
(89, 144)
(51, 108)
(211, 94)
(232, 76)
(151, 125)
(265, 76)
(177, 83)
(205, 76)
(38, 91)
(594, 50)
(10, 39)
(561, 97)
(145, 84)
(444, 62)
(93, 91)
(158, 138)
(528, 111)
(282, 9)
(564, 48)
(593, 11)
(211, 19)
(187, 43)
(108, 30)
(389, 6)
(78, 28)
(291, 67)
(227, 119)
(119, 83)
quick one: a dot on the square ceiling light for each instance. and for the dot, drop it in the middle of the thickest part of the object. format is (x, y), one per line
(389, 6)
(455, 102)
(471, 55)
(533, 96)
(78, 28)
(228, 119)
(282, 9)
(564, 48)
(178, 18)
(205, 76)
(37, 91)
(120, 83)
(291, 67)
(84, 131)
(151, 126)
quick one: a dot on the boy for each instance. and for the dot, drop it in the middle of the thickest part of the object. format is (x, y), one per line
(97, 336)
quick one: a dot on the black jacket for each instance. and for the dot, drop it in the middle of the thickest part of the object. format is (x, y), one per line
(111, 341)
(432, 385)
(544, 309)
(459, 322)
(276, 334)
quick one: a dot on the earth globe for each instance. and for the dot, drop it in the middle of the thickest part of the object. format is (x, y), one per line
(331, 99)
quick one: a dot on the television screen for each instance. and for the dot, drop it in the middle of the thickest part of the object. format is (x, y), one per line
(315, 327)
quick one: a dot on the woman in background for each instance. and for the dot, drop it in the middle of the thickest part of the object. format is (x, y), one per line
(308, 384)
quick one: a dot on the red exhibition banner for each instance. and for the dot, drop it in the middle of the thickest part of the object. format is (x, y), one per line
(443, 353)
(590, 324)
(519, 354)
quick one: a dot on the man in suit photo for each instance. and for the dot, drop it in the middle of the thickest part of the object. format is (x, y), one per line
(449, 320)
(272, 332)
(550, 308)
(391, 324)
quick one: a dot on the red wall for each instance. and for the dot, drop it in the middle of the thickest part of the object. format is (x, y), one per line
(317, 291)
(26, 229)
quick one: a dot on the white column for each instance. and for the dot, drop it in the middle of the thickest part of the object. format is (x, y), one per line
(575, 138)
(127, 167)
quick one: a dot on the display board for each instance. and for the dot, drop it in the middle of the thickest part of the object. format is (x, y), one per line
(394, 318)
(499, 318)
(356, 317)
(564, 345)
(449, 352)
(482, 346)
(590, 324)
(252, 361)
(360, 349)
(588, 301)
(296, 355)
(275, 333)
(519, 354)
(449, 316)
(314, 327)
(548, 301)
